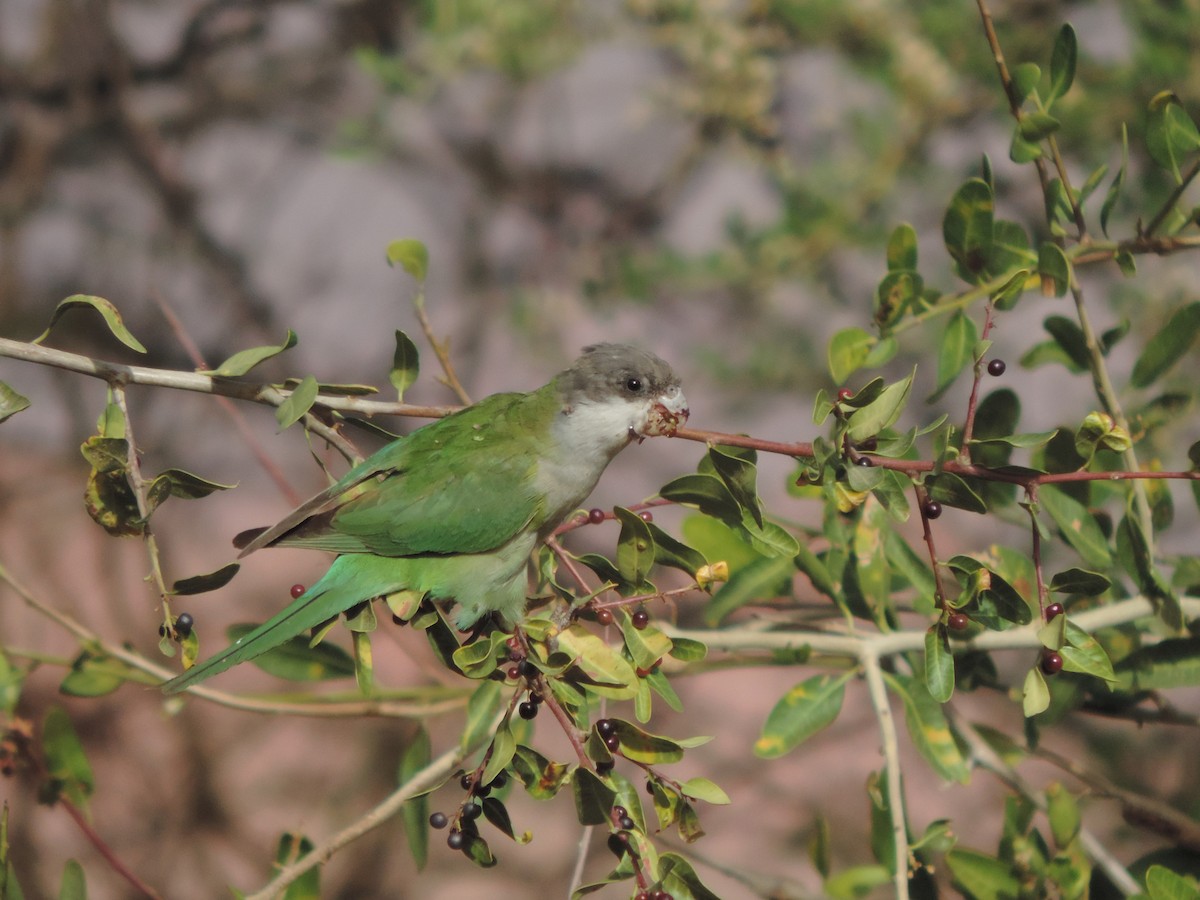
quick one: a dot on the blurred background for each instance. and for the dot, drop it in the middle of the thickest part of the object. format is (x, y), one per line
(714, 180)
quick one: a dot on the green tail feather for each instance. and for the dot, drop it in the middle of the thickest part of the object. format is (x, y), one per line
(349, 581)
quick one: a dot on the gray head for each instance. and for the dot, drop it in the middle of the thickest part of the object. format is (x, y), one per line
(611, 374)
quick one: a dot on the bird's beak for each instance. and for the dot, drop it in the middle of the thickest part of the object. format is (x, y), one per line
(669, 412)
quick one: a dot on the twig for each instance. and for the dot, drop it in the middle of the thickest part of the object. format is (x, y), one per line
(441, 348)
(160, 674)
(106, 851)
(422, 782)
(891, 756)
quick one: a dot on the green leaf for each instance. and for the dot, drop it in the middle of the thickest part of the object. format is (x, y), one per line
(112, 318)
(1070, 338)
(245, 360)
(1084, 655)
(1168, 346)
(414, 814)
(928, 728)
(615, 676)
(807, 708)
(881, 413)
(1077, 525)
(1024, 441)
(670, 552)
(939, 664)
(1037, 126)
(703, 789)
(635, 547)
(896, 294)
(757, 582)
(951, 490)
(1035, 695)
(646, 645)
(706, 492)
(298, 403)
(542, 778)
(66, 763)
(295, 660)
(1054, 265)
(482, 708)
(411, 255)
(73, 885)
(1006, 297)
(504, 748)
(1171, 663)
(189, 486)
(1063, 812)
(95, 676)
(967, 229)
(593, 798)
(955, 350)
(200, 584)
(848, 350)
(1163, 884)
(981, 876)
(643, 747)
(1025, 77)
(1062, 63)
(1118, 182)
(406, 364)
(11, 402)
(902, 249)
(1080, 581)
(680, 880)
(1171, 135)
(740, 474)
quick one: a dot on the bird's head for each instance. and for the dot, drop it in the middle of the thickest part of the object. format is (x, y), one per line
(625, 391)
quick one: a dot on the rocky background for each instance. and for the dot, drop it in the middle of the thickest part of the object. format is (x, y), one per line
(713, 179)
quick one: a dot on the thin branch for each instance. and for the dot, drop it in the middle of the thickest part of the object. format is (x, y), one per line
(891, 756)
(106, 851)
(1169, 204)
(422, 782)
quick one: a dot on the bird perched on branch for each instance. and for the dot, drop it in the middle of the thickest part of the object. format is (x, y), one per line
(454, 510)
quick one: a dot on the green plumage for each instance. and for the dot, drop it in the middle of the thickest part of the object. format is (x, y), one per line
(455, 509)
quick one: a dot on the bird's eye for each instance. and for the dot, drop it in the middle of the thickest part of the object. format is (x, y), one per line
(633, 385)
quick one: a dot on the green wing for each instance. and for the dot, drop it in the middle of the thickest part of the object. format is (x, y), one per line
(463, 484)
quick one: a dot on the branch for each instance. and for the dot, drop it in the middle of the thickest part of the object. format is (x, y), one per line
(891, 757)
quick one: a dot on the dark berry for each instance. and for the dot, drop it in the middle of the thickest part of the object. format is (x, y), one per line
(650, 786)
(606, 727)
(603, 768)
(438, 820)
(868, 444)
(618, 811)
(996, 368)
(498, 782)
(933, 509)
(844, 394)
(162, 630)
(455, 840)
(527, 710)
(660, 895)
(641, 619)
(957, 621)
(604, 616)
(642, 895)
(536, 697)
(613, 743)
(1052, 662)
(864, 461)
(646, 516)
(297, 590)
(467, 782)
(627, 823)
(471, 811)
(513, 673)
(526, 668)
(184, 624)
(513, 644)
(483, 790)
(618, 843)
(596, 516)
(1054, 610)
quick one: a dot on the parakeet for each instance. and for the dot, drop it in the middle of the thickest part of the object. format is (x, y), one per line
(454, 510)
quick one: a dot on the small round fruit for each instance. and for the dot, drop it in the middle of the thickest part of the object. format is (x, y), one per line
(455, 840)
(526, 668)
(646, 516)
(603, 768)
(641, 619)
(613, 743)
(618, 843)
(932, 509)
(297, 590)
(864, 461)
(498, 782)
(1052, 662)
(527, 710)
(596, 516)
(471, 811)
(467, 782)
(844, 394)
(1054, 610)
(606, 727)
(996, 368)
(618, 811)
(438, 820)
(627, 823)
(184, 624)
(957, 621)
(604, 616)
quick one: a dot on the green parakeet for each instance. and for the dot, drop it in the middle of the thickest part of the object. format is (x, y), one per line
(454, 510)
